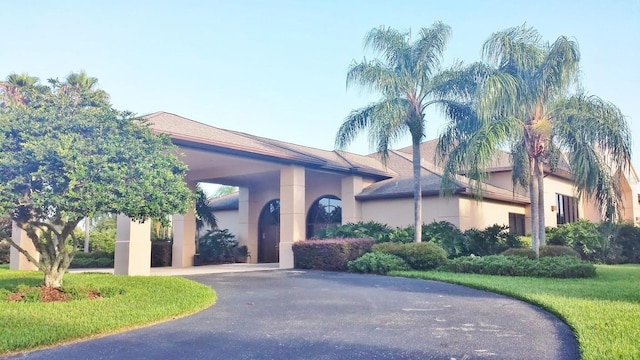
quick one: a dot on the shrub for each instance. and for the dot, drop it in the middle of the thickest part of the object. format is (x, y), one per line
(216, 246)
(491, 241)
(92, 260)
(377, 263)
(528, 253)
(161, 253)
(553, 267)
(557, 250)
(5, 249)
(583, 236)
(329, 254)
(103, 240)
(449, 237)
(623, 242)
(525, 241)
(370, 229)
(419, 256)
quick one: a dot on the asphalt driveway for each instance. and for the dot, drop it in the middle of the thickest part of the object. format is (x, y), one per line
(324, 315)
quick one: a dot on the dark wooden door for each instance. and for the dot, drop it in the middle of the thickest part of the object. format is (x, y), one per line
(269, 244)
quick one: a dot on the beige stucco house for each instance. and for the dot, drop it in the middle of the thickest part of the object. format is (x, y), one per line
(289, 191)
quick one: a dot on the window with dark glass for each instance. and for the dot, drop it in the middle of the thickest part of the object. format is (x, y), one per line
(516, 224)
(566, 209)
(326, 212)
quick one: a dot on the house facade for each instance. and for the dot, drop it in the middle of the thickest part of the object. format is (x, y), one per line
(287, 192)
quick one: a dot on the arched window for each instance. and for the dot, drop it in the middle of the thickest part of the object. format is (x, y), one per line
(326, 212)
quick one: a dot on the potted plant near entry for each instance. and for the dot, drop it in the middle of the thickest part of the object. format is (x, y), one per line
(241, 253)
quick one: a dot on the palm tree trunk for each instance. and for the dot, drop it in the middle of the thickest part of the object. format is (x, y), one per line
(534, 195)
(417, 193)
(541, 217)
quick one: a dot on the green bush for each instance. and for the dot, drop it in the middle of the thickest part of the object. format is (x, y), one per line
(557, 250)
(491, 241)
(525, 241)
(370, 229)
(528, 253)
(329, 254)
(161, 253)
(5, 249)
(216, 246)
(449, 237)
(583, 236)
(553, 267)
(623, 242)
(377, 263)
(103, 240)
(92, 260)
(419, 256)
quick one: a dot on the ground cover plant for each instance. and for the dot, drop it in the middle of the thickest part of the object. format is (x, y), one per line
(28, 325)
(602, 311)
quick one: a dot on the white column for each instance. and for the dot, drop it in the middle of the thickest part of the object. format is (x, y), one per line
(17, 261)
(184, 239)
(351, 209)
(292, 208)
(248, 221)
(133, 247)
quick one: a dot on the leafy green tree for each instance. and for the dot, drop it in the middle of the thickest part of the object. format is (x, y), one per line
(523, 98)
(64, 159)
(407, 78)
(17, 89)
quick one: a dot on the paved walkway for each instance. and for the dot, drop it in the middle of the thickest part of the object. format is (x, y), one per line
(288, 314)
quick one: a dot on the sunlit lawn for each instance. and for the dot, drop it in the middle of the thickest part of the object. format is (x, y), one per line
(146, 300)
(604, 311)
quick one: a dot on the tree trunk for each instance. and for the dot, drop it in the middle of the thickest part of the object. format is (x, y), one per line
(534, 195)
(541, 210)
(87, 233)
(53, 278)
(417, 193)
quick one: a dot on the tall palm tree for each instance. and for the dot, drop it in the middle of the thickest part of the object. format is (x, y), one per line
(406, 75)
(15, 90)
(85, 87)
(524, 98)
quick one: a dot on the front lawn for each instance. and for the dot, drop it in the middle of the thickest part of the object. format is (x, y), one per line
(604, 311)
(145, 300)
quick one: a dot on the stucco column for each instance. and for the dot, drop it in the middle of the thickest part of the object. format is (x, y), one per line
(351, 209)
(17, 261)
(248, 221)
(184, 239)
(133, 247)
(292, 207)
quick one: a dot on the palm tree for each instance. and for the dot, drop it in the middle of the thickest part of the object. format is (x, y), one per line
(16, 88)
(523, 99)
(204, 215)
(84, 87)
(407, 78)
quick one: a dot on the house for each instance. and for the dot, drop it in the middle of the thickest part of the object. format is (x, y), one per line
(287, 192)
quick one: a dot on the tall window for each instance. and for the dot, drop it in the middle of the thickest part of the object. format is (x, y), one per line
(516, 224)
(567, 209)
(326, 212)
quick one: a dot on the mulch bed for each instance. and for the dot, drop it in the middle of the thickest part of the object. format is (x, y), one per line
(51, 294)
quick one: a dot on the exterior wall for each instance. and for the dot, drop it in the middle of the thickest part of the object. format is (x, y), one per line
(228, 219)
(399, 212)
(554, 185)
(501, 179)
(481, 214)
(319, 184)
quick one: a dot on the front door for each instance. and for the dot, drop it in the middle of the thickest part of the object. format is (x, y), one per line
(269, 233)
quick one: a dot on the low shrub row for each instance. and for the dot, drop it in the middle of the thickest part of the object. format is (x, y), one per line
(419, 256)
(329, 254)
(4, 252)
(551, 267)
(97, 259)
(377, 263)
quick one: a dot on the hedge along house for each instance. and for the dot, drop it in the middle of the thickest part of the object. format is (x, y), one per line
(288, 192)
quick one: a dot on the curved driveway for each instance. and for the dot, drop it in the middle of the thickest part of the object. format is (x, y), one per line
(324, 315)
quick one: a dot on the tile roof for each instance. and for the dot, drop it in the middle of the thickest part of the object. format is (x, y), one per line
(227, 202)
(181, 129)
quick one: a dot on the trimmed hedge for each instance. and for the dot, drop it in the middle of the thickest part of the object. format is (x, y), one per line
(528, 253)
(92, 260)
(377, 263)
(419, 256)
(329, 254)
(161, 252)
(552, 267)
(557, 250)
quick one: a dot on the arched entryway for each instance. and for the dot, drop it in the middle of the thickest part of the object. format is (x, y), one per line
(269, 233)
(324, 213)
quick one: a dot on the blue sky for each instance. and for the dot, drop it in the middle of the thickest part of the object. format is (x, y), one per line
(277, 68)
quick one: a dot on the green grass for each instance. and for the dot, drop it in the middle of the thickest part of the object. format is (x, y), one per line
(147, 300)
(604, 311)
